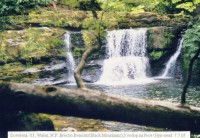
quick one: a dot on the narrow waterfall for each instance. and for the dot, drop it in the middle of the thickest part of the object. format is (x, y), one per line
(170, 66)
(70, 59)
(127, 60)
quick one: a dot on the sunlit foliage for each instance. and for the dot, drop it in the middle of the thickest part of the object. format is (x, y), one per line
(163, 6)
(191, 42)
(8, 7)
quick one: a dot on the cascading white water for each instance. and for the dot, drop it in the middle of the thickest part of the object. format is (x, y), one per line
(127, 60)
(170, 66)
(70, 59)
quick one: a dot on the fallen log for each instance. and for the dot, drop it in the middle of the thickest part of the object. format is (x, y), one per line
(97, 105)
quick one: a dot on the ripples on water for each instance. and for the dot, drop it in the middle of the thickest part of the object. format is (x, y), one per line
(164, 89)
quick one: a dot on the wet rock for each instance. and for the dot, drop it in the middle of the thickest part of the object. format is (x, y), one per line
(69, 129)
(53, 73)
(92, 71)
(31, 70)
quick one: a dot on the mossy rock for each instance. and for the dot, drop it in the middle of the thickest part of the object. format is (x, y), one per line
(156, 55)
(79, 124)
(35, 122)
(77, 20)
(14, 72)
(24, 122)
(77, 39)
(86, 40)
(29, 44)
(160, 37)
(48, 18)
(29, 48)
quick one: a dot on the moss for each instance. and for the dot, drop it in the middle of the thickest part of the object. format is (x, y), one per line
(161, 44)
(19, 121)
(80, 124)
(72, 19)
(156, 55)
(77, 52)
(38, 43)
(77, 40)
(150, 37)
(12, 72)
(58, 19)
(30, 43)
(34, 122)
(28, 48)
(169, 37)
(33, 46)
(7, 52)
(160, 37)
(89, 38)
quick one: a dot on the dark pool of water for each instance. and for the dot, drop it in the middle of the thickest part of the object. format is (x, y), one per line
(163, 89)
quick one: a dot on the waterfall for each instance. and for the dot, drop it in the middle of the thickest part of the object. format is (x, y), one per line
(70, 59)
(127, 60)
(170, 66)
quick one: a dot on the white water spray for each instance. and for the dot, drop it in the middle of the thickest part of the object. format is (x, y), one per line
(127, 62)
(70, 59)
(170, 66)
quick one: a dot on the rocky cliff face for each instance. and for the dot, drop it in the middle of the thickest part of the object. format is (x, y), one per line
(32, 48)
(163, 42)
(25, 52)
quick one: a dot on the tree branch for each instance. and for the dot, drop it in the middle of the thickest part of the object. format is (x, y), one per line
(80, 66)
(86, 54)
(97, 105)
(189, 76)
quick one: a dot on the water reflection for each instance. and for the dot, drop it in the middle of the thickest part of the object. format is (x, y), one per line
(164, 89)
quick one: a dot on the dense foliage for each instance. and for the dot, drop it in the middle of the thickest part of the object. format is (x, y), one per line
(191, 44)
(32, 45)
(8, 7)
(82, 4)
(163, 6)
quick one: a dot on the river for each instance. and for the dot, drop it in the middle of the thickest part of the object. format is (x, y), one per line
(163, 89)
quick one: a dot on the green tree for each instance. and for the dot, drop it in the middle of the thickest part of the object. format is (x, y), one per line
(82, 4)
(178, 6)
(8, 7)
(191, 51)
(97, 31)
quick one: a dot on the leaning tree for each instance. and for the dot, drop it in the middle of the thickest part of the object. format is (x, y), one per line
(191, 46)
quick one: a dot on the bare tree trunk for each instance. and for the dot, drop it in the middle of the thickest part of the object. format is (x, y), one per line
(97, 105)
(189, 76)
(79, 68)
(93, 9)
(86, 54)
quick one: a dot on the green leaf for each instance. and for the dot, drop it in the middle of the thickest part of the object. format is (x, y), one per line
(176, 1)
(187, 6)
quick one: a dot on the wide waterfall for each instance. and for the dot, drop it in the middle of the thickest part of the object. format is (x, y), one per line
(127, 57)
(70, 59)
(170, 66)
